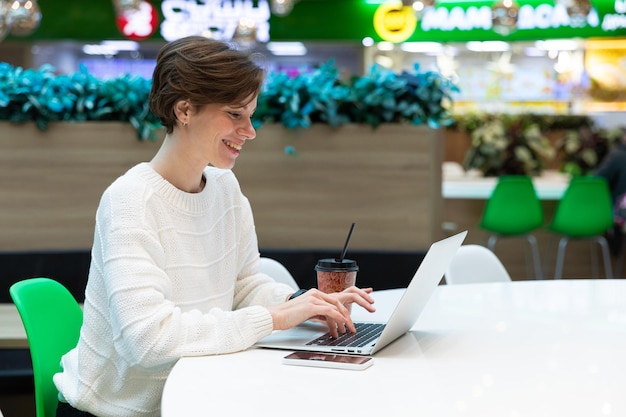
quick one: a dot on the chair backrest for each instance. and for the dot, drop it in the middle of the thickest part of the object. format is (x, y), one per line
(451, 169)
(473, 264)
(513, 207)
(52, 319)
(586, 208)
(276, 270)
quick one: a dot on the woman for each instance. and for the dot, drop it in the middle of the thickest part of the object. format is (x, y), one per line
(613, 168)
(175, 260)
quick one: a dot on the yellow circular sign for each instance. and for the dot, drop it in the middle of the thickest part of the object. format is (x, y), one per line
(394, 22)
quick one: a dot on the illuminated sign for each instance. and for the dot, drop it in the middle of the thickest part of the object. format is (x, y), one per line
(531, 18)
(617, 20)
(219, 17)
(394, 22)
(327, 20)
(138, 24)
(542, 16)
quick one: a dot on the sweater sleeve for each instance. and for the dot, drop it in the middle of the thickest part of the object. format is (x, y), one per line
(148, 328)
(254, 287)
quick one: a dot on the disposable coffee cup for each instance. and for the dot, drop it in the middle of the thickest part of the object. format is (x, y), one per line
(335, 275)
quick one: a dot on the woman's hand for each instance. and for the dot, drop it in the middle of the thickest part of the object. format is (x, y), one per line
(331, 308)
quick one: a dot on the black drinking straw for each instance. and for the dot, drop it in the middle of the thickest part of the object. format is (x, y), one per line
(345, 247)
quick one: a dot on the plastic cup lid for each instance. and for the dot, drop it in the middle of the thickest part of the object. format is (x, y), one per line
(335, 264)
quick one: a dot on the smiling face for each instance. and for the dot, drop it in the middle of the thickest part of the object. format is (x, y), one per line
(193, 79)
(217, 132)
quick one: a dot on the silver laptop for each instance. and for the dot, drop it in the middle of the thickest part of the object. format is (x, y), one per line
(372, 337)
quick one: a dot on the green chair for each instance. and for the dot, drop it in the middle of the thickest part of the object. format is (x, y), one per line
(584, 212)
(514, 211)
(52, 319)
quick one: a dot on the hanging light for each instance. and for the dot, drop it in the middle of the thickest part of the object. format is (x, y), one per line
(211, 33)
(281, 7)
(504, 16)
(23, 17)
(419, 6)
(4, 20)
(245, 33)
(122, 6)
(577, 10)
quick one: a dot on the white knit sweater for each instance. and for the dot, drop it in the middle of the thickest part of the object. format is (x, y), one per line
(172, 274)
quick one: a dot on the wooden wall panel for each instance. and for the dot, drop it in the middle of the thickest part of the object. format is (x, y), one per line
(51, 182)
(387, 180)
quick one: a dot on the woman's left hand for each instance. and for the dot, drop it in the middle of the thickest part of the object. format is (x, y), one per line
(331, 308)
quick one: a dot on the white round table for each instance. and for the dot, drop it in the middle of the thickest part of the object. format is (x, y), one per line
(519, 349)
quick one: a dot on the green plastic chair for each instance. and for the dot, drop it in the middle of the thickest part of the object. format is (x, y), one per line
(514, 211)
(584, 212)
(52, 319)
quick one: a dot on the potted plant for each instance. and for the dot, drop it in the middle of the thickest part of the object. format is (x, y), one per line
(356, 137)
(580, 150)
(43, 96)
(508, 146)
(64, 139)
(380, 96)
(317, 96)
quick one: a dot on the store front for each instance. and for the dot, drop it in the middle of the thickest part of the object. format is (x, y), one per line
(545, 60)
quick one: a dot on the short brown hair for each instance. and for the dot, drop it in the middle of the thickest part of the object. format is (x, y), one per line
(203, 71)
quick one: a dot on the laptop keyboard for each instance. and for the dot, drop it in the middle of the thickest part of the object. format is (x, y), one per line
(365, 333)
